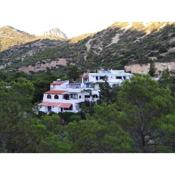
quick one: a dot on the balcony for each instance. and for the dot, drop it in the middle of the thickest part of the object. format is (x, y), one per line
(74, 85)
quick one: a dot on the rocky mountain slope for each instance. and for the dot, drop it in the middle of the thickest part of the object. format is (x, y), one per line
(54, 33)
(120, 45)
(10, 36)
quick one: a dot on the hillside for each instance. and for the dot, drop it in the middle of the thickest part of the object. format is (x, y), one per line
(118, 45)
(10, 36)
(136, 117)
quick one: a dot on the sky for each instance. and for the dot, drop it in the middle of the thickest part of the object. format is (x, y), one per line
(76, 17)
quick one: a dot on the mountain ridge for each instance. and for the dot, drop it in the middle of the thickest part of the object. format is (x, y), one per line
(10, 36)
(116, 46)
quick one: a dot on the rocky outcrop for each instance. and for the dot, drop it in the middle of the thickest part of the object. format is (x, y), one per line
(144, 68)
(54, 33)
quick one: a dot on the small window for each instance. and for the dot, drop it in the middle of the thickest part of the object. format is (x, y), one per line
(74, 96)
(95, 96)
(49, 96)
(80, 97)
(66, 96)
(87, 96)
(118, 77)
(56, 97)
(102, 78)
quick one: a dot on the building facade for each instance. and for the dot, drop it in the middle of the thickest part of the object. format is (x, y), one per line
(64, 96)
(113, 77)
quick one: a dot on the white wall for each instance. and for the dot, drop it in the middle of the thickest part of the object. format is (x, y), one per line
(45, 99)
(43, 109)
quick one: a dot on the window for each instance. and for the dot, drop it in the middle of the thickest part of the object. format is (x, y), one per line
(74, 96)
(49, 96)
(56, 97)
(87, 96)
(96, 78)
(102, 78)
(79, 96)
(66, 96)
(119, 77)
(124, 78)
(95, 96)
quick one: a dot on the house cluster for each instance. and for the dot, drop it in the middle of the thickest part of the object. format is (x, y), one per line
(65, 96)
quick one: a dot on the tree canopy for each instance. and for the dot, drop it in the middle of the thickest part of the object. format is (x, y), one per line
(138, 116)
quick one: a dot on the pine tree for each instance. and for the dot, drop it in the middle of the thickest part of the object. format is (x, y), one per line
(152, 69)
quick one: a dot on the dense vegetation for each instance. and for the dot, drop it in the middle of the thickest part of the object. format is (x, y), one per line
(139, 116)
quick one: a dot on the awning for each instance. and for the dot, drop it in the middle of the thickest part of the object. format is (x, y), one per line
(65, 105)
(54, 104)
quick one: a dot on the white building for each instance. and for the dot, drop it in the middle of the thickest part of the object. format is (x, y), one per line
(113, 77)
(64, 96)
